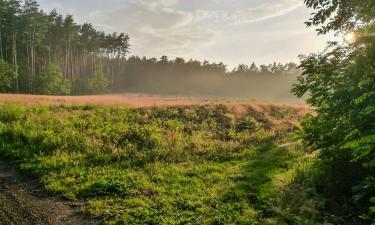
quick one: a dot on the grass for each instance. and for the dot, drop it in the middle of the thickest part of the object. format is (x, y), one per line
(175, 165)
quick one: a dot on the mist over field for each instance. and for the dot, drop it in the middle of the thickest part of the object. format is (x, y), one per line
(273, 89)
(192, 79)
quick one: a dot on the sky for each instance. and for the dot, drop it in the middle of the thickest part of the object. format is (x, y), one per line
(228, 31)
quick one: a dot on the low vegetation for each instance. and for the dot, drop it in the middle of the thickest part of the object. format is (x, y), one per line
(177, 165)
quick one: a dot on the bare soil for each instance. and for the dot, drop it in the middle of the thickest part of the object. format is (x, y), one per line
(23, 201)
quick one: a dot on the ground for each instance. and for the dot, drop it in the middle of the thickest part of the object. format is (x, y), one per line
(185, 161)
(23, 201)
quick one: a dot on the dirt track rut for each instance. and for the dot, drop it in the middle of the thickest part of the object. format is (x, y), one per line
(24, 202)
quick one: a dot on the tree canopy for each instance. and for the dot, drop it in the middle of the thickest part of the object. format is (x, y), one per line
(31, 40)
(340, 84)
(340, 15)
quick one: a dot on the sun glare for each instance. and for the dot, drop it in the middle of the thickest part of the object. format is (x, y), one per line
(349, 38)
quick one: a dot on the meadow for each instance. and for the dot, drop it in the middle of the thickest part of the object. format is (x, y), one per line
(196, 164)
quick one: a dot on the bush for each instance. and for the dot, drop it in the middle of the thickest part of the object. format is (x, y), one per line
(52, 82)
(6, 76)
(11, 112)
(142, 138)
(98, 83)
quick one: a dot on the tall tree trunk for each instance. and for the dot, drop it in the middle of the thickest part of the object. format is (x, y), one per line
(66, 62)
(32, 60)
(49, 53)
(15, 62)
(67, 59)
(1, 44)
(28, 44)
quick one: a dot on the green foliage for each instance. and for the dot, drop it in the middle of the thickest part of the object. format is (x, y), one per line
(98, 83)
(52, 82)
(11, 112)
(32, 38)
(6, 76)
(161, 165)
(340, 83)
(340, 15)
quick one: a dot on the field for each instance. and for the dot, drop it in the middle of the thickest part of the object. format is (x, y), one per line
(138, 100)
(188, 163)
(134, 100)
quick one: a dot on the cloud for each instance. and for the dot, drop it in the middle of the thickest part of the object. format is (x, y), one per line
(50, 5)
(178, 41)
(266, 10)
(160, 27)
(220, 30)
(138, 16)
(157, 3)
(156, 28)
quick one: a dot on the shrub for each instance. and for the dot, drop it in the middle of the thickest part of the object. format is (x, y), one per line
(6, 76)
(11, 112)
(52, 82)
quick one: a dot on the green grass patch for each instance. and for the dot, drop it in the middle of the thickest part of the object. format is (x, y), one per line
(178, 165)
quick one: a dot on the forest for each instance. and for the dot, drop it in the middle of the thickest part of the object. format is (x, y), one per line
(48, 53)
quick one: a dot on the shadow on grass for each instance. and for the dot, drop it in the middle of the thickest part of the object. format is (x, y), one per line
(255, 184)
(271, 183)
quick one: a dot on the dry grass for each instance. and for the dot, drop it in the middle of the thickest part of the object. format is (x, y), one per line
(292, 113)
(238, 108)
(135, 100)
(143, 100)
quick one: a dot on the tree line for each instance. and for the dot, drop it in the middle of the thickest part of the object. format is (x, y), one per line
(43, 51)
(48, 53)
(194, 78)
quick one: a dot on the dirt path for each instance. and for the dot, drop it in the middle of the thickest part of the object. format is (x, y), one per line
(24, 202)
